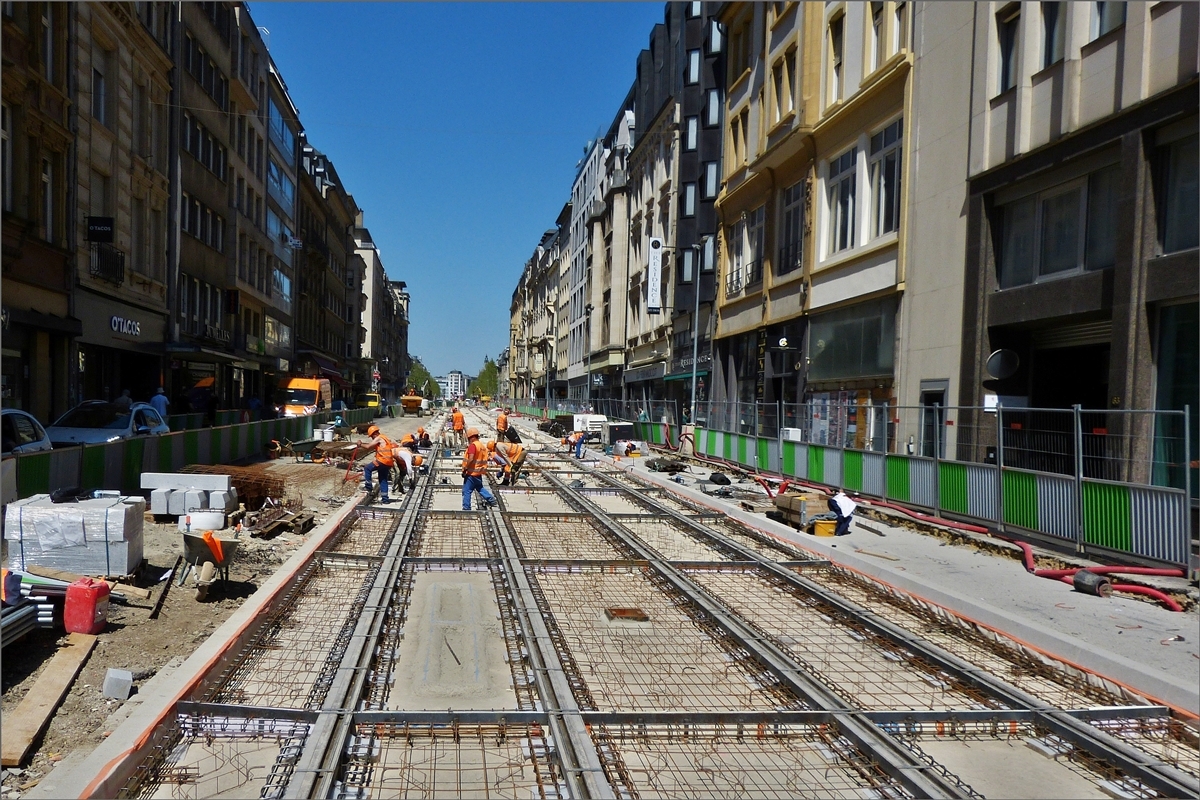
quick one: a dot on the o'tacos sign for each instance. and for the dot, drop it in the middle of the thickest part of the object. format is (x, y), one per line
(128, 327)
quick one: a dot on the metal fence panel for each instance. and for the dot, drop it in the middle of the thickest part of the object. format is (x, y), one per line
(981, 492)
(833, 466)
(897, 480)
(852, 470)
(922, 482)
(873, 476)
(64, 468)
(1159, 523)
(1057, 506)
(768, 455)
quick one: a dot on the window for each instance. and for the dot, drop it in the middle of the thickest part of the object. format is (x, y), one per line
(1053, 35)
(708, 259)
(689, 200)
(712, 108)
(6, 156)
(737, 257)
(280, 131)
(715, 36)
(693, 66)
(48, 42)
(710, 180)
(1180, 210)
(100, 89)
(842, 177)
(900, 27)
(282, 288)
(778, 91)
(885, 171)
(693, 9)
(137, 243)
(280, 185)
(735, 142)
(755, 239)
(854, 342)
(791, 229)
(687, 265)
(1006, 29)
(876, 53)
(48, 200)
(835, 60)
(1107, 17)
(691, 133)
(1062, 230)
(789, 77)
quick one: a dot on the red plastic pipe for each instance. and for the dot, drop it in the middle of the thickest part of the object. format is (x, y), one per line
(949, 523)
(1163, 571)
(1165, 599)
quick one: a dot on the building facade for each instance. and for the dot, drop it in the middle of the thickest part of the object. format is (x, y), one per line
(384, 315)
(1082, 214)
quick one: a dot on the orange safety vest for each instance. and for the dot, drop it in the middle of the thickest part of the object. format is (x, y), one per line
(459, 422)
(408, 439)
(383, 453)
(511, 451)
(502, 423)
(475, 459)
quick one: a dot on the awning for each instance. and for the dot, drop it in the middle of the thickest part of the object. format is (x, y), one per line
(335, 378)
(191, 352)
(685, 376)
(46, 322)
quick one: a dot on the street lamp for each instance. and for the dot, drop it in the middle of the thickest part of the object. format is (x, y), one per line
(588, 309)
(698, 247)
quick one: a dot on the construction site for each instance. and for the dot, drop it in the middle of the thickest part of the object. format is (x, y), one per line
(602, 635)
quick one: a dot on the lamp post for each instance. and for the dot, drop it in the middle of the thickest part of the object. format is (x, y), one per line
(588, 309)
(698, 247)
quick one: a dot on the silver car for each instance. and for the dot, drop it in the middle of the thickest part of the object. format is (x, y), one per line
(98, 422)
(22, 433)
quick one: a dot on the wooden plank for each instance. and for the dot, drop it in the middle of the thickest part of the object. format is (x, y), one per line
(23, 725)
(71, 577)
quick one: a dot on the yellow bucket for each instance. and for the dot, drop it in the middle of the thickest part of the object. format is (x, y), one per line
(824, 527)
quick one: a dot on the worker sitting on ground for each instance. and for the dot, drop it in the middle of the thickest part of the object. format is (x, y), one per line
(474, 467)
(511, 457)
(385, 459)
(423, 440)
(457, 423)
(844, 507)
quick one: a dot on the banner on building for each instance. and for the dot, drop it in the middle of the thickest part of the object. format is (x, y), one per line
(654, 278)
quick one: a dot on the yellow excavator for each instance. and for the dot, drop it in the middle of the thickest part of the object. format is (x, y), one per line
(413, 403)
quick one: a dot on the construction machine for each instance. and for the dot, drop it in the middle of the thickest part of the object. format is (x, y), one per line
(413, 403)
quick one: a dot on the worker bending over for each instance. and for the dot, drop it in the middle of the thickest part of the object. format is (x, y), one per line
(511, 457)
(844, 507)
(406, 467)
(423, 440)
(576, 440)
(457, 424)
(383, 463)
(474, 467)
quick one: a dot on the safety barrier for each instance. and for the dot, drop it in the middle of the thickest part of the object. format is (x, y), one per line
(1095, 515)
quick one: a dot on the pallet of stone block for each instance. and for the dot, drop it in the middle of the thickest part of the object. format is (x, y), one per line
(91, 537)
(177, 502)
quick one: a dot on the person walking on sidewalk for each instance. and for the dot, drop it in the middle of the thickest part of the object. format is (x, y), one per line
(161, 403)
(385, 459)
(474, 467)
(457, 423)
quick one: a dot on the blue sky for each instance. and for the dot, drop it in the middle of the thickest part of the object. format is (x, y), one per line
(457, 128)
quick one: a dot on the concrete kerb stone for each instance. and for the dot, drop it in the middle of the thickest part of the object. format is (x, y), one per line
(1157, 687)
(176, 480)
(103, 772)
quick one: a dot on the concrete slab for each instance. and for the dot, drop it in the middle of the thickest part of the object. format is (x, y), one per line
(1009, 768)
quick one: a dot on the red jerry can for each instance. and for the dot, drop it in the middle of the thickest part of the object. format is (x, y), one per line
(86, 609)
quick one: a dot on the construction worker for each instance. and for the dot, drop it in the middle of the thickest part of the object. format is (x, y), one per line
(423, 440)
(502, 425)
(409, 442)
(511, 457)
(474, 467)
(385, 459)
(10, 587)
(457, 423)
(406, 466)
(576, 440)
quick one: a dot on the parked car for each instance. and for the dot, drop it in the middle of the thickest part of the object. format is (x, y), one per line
(22, 433)
(369, 400)
(98, 421)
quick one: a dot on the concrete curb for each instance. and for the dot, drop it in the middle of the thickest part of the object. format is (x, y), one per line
(109, 766)
(1159, 688)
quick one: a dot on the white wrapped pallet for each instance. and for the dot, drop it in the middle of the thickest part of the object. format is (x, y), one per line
(90, 537)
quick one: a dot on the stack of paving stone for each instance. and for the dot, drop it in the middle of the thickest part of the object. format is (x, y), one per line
(100, 536)
(200, 501)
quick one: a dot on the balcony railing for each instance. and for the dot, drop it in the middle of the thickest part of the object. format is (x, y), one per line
(108, 263)
(754, 272)
(791, 258)
(733, 282)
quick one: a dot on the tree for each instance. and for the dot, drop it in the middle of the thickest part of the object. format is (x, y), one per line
(488, 381)
(420, 379)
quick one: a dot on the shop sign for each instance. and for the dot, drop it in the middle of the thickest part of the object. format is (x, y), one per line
(100, 229)
(128, 327)
(217, 334)
(654, 277)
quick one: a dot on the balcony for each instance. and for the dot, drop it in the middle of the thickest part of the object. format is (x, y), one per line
(754, 272)
(733, 282)
(108, 263)
(791, 258)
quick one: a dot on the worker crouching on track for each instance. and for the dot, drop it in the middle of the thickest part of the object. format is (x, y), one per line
(385, 460)
(423, 440)
(474, 467)
(511, 457)
(406, 467)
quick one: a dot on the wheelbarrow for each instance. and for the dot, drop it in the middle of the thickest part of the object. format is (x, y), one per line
(203, 564)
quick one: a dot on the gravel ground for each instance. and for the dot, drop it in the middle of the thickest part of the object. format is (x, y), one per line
(135, 642)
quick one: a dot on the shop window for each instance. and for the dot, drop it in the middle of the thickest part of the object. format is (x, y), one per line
(1177, 386)
(854, 342)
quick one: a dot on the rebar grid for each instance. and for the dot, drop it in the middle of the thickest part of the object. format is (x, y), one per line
(1053, 682)
(449, 535)
(534, 501)
(212, 767)
(367, 534)
(612, 500)
(758, 542)
(289, 664)
(865, 669)
(1167, 739)
(562, 537)
(517, 651)
(378, 686)
(743, 761)
(672, 540)
(514, 762)
(675, 661)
